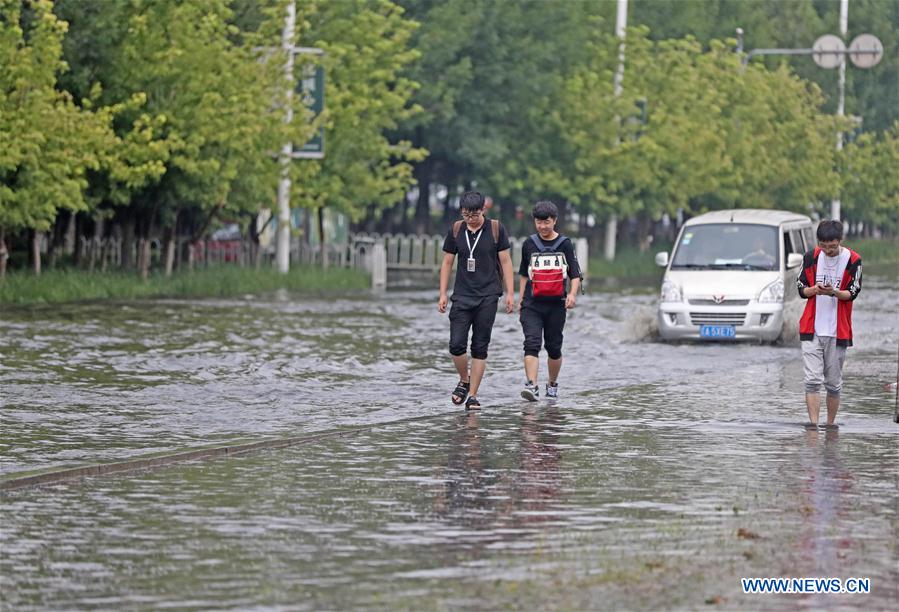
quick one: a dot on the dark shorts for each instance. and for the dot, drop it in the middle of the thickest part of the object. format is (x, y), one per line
(477, 315)
(543, 323)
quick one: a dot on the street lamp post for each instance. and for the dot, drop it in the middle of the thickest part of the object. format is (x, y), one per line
(287, 153)
(841, 102)
(282, 253)
(620, 31)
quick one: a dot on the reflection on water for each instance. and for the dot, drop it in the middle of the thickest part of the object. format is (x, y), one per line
(663, 475)
(824, 486)
(482, 489)
(527, 506)
(540, 477)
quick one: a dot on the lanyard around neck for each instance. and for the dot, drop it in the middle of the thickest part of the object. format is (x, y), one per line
(476, 238)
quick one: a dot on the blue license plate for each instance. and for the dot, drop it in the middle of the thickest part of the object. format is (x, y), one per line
(717, 331)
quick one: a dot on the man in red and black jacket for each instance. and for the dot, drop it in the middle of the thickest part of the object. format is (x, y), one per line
(831, 279)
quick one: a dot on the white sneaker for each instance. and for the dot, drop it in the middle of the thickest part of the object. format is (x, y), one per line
(552, 391)
(530, 392)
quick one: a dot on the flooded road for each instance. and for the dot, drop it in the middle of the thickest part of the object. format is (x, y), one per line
(663, 475)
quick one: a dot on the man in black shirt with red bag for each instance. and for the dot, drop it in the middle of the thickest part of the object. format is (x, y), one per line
(485, 267)
(547, 261)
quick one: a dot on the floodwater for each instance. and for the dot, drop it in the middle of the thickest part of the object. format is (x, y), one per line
(663, 475)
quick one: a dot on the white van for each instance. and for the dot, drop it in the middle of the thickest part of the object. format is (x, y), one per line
(731, 275)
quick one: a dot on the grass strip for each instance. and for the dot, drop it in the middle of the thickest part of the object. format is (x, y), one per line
(55, 286)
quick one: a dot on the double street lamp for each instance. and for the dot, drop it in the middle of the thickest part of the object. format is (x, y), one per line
(829, 51)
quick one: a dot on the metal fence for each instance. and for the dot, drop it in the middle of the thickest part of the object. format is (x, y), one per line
(378, 254)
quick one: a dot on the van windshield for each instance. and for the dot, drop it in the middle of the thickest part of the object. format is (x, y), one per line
(719, 246)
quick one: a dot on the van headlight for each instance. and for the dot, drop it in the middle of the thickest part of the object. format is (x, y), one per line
(670, 291)
(773, 293)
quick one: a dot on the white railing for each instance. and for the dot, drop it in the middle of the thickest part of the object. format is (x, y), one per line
(413, 252)
(376, 253)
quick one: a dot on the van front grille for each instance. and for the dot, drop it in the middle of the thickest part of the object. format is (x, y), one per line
(711, 302)
(718, 318)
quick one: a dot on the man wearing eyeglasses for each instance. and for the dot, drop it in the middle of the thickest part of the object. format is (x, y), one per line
(484, 271)
(831, 279)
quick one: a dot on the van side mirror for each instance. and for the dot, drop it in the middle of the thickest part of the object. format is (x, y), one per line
(662, 259)
(794, 260)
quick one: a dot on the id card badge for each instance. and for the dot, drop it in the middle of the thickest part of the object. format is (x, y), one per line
(471, 264)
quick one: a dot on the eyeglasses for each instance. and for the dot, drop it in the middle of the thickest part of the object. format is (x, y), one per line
(472, 215)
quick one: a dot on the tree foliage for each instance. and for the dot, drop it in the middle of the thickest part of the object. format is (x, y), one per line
(487, 70)
(795, 24)
(715, 135)
(366, 48)
(47, 143)
(871, 188)
(168, 112)
(206, 121)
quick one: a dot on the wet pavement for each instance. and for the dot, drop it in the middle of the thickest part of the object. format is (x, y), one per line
(663, 475)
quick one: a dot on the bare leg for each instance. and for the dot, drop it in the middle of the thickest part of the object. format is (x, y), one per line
(833, 404)
(813, 403)
(531, 367)
(461, 363)
(554, 366)
(477, 373)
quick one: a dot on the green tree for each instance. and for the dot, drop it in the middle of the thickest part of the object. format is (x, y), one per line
(47, 143)
(715, 136)
(198, 92)
(366, 48)
(870, 189)
(490, 71)
(794, 24)
(210, 119)
(870, 93)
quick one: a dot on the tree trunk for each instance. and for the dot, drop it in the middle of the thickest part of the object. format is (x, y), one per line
(191, 256)
(369, 226)
(307, 226)
(115, 241)
(202, 229)
(423, 205)
(139, 266)
(253, 231)
(400, 214)
(69, 241)
(644, 232)
(449, 214)
(95, 242)
(77, 239)
(55, 238)
(36, 251)
(321, 237)
(144, 258)
(4, 254)
(128, 259)
(169, 251)
(611, 235)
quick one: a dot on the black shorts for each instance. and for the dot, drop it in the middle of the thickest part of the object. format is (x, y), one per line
(476, 314)
(543, 323)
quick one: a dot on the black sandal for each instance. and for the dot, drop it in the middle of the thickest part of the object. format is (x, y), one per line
(460, 392)
(472, 403)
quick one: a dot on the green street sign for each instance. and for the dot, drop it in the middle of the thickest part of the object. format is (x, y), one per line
(311, 89)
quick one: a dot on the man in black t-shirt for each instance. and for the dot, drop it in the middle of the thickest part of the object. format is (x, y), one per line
(484, 269)
(543, 317)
